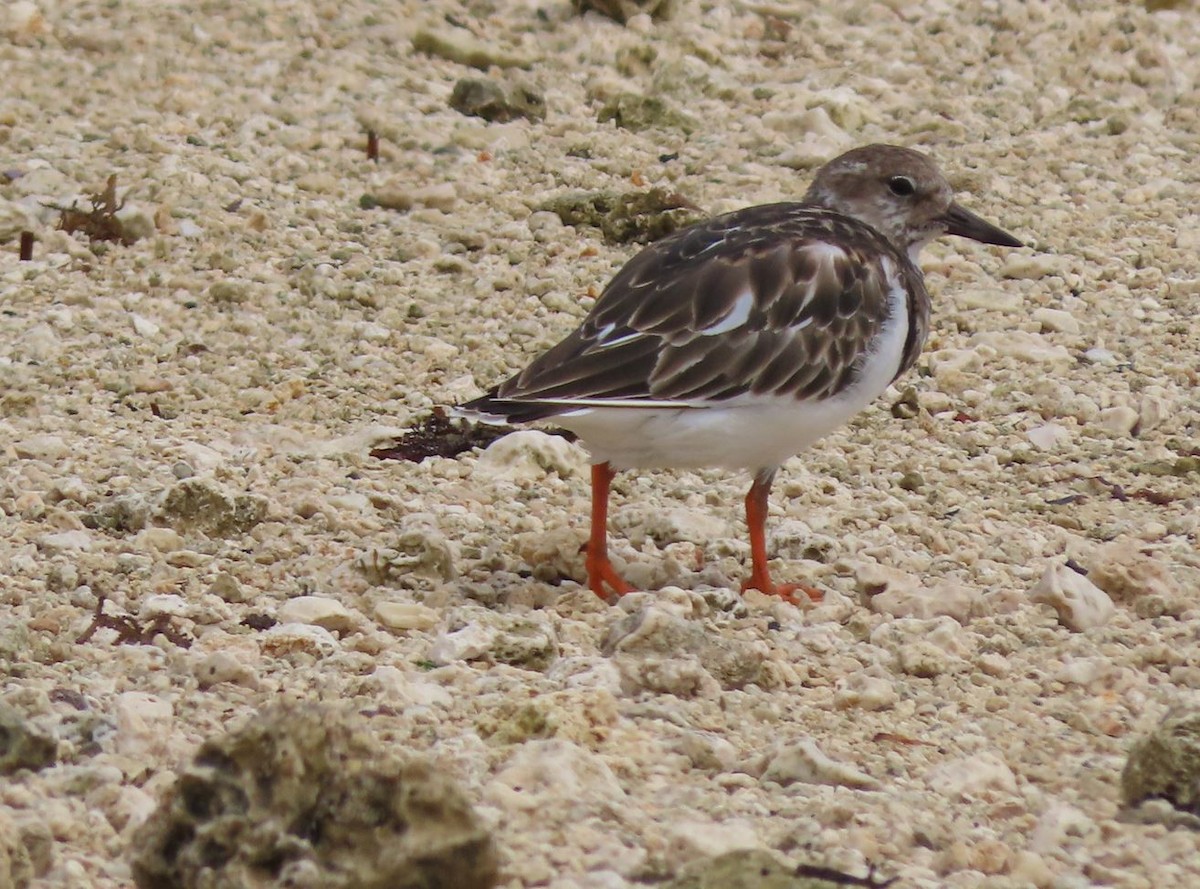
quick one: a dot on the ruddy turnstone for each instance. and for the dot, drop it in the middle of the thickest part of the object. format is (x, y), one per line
(740, 341)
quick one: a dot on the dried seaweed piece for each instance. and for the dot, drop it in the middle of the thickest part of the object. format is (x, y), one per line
(439, 436)
(100, 223)
(132, 632)
(258, 621)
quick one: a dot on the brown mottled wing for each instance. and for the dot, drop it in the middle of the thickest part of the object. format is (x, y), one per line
(783, 299)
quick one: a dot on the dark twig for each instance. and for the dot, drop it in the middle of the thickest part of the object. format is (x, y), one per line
(129, 631)
(100, 223)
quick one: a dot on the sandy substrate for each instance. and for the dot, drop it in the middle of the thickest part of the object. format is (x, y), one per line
(185, 427)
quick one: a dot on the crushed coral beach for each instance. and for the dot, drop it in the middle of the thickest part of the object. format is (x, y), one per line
(209, 580)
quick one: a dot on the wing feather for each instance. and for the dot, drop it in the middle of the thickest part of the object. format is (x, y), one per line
(669, 327)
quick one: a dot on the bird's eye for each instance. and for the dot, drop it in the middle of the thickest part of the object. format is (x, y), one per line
(902, 186)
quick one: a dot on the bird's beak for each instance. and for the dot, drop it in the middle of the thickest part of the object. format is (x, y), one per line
(962, 222)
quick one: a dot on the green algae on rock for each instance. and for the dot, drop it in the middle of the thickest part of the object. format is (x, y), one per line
(640, 216)
(631, 111)
(497, 102)
(304, 795)
(1166, 764)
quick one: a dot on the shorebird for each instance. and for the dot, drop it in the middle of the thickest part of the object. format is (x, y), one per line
(740, 341)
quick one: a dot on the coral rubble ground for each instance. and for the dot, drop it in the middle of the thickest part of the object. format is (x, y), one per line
(192, 381)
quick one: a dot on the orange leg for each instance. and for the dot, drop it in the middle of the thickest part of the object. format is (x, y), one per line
(600, 570)
(756, 519)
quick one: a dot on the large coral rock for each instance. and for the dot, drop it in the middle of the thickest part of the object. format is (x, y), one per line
(304, 796)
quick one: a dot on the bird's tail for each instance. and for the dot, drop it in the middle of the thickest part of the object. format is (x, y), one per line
(497, 411)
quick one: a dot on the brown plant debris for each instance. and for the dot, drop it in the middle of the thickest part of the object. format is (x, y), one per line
(100, 223)
(439, 436)
(131, 631)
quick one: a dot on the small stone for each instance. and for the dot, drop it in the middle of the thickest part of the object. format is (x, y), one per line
(497, 102)
(1165, 764)
(814, 137)
(707, 750)
(420, 551)
(1155, 407)
(143, 326)
(971, 776)
(200, 505)
(24, 22)
(1058, 824)
(523, 641)
(640, 216)
(1048, 436)
(804, 762)
(924, 648)
(319, 611)
(996, 300)
(1031, 348)
(899, 594)
(1032, 267)
(42, 447)
(286, 639)
(223, 666)
(65, 542)
(458, 45)
(1103, 357)
(23, 745)
(691, 838)
(1030, 868)
(143, 723)
(406, 616)
(1128, 573)
(406, 688)
(528, 454)
(653, 633)
(634, 112)
(162, 605)
(17, 868)
(163, 540)
(1080, 604)
(908, 405)
(228, 291)
(1121, 420)
(464, 644)
(863, 692)
(666, 526)
(227, 587)
(1056, 320)
(552, 775)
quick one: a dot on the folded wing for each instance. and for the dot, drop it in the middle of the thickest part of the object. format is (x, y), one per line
(783, 300)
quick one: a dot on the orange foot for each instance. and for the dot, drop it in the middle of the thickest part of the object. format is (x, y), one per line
(785, 591)
(601, 573)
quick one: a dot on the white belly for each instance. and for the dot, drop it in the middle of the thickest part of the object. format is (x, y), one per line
(750, 432)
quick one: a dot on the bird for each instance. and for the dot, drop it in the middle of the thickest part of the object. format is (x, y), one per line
(740, 341)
